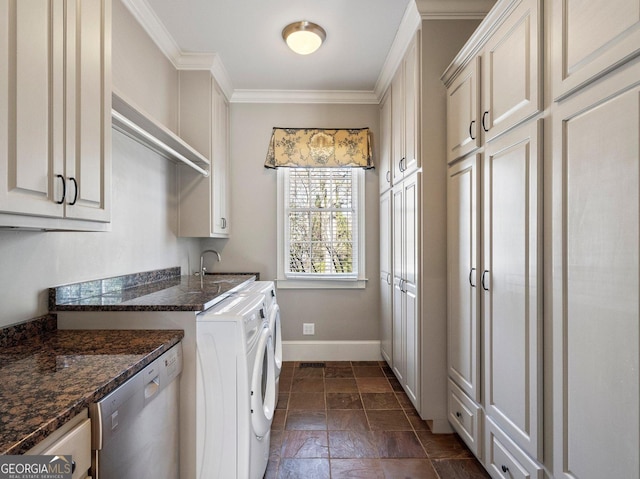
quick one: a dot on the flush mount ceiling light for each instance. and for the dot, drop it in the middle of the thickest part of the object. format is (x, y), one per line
(304, 37)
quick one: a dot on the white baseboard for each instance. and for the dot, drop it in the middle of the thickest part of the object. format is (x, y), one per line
(331, 351)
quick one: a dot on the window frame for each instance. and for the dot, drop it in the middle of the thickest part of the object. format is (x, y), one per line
(317, 281)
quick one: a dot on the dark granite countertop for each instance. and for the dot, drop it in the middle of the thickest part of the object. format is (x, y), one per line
(162, 290)
(48, 378)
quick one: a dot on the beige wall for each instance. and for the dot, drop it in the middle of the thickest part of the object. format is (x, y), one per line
(144, 213)
(141, 72)
(337, 314)
(144, 218)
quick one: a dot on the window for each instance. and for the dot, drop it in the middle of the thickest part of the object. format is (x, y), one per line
(321, 228)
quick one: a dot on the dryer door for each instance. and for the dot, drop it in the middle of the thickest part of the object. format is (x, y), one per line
(263, 385)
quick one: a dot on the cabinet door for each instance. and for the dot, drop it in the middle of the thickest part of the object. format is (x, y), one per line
(411, 243)
(411, 110)
(386, 288)
(397, 125)
(462, 264)
(31, 107)
(196, 128)
(596, 265)
(399, 324)
(220, 163)
(88, 109)
(384, 156)
(463, 130)
(512, 285)
(590, 39)
(204, 123)
(511, 71)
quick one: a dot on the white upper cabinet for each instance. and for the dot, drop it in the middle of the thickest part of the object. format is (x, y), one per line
(499, 87)
(511, 71)
(405, 97)
(463, 95)
(55, 113)
(384, 156)
(221, 226)
(31, 109)
(411, 108)
(590, 39)
(204, 124)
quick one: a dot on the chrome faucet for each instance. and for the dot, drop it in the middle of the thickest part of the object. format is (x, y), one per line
(202, 268)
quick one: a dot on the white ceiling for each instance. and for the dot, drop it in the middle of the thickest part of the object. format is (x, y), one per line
(245, 38)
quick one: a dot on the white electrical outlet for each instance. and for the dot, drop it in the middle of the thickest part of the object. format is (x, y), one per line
(309, 328)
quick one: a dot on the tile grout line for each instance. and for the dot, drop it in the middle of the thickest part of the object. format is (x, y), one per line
(404, 406)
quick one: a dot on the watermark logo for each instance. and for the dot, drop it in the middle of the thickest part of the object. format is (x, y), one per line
(36, 467)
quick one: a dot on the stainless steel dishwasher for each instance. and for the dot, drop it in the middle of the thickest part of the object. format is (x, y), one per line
(135, 431)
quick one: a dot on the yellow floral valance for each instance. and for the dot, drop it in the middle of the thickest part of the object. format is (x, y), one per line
(319, 148)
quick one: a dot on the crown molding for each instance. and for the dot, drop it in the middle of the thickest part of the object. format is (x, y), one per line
(494, 18)
(409, 25)
(150, 22)
(454, 9)
(148, 19)
(210, 62)
(194, 61)
(355, 97)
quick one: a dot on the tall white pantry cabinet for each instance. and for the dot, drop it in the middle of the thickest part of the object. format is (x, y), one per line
(399, 204)
(544, 117)
(412, 174)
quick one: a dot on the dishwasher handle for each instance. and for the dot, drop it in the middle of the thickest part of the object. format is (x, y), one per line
(151, 388)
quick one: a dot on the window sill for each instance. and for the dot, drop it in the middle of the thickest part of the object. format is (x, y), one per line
(321, 284)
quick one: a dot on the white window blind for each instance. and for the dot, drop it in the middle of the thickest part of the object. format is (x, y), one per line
(321, 218)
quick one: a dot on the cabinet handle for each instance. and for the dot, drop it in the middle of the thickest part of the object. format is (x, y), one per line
(388, 176)
(64, 189)
(73, 466)
(470, 274)
(400, 165)
(471, 130)
(75, 196)
(482, 281)
(389, 278)
(458, 414)
(484, 126)
(504, 468)
(224, 223)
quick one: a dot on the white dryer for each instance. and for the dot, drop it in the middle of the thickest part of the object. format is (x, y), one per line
(236, 389)
(268, 289)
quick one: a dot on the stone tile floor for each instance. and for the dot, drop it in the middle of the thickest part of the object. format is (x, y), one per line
(353, 420)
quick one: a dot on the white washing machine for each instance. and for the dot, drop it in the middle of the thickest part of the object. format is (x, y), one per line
(236, 397)
(268, 289)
